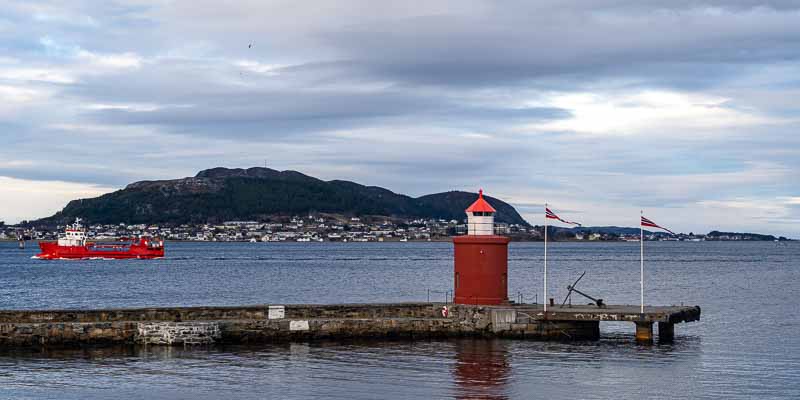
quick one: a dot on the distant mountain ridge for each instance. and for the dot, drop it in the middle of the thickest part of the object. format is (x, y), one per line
(223, 194)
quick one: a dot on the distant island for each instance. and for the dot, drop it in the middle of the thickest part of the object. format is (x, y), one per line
(716, 235)
(262, 204)
(632, 234)
(262, 194)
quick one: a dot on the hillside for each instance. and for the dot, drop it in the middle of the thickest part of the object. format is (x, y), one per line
(222, 194)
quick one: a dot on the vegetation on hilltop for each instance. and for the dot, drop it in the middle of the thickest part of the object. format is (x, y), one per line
(222, 194)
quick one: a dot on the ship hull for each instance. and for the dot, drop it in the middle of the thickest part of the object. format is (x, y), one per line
(52, 251)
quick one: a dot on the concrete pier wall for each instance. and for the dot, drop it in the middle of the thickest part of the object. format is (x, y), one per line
(192, 325)
(177, 314)
(267, 323)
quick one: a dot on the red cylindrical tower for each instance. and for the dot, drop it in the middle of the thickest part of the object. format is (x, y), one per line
(481, 259)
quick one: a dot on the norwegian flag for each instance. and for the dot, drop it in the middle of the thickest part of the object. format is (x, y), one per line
(647, 222)
(552, 215)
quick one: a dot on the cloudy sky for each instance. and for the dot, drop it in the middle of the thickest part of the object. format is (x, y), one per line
(689, 110)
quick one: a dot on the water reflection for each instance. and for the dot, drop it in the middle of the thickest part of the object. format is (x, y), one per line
(463, 369)
(482, 369)
(725, 355)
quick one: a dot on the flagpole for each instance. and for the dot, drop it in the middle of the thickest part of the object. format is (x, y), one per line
(545, 259)
(641, 254)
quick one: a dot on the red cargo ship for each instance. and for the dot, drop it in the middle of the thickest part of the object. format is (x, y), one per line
(73, 245)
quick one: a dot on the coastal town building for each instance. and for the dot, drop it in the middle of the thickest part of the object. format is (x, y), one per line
(326, 228)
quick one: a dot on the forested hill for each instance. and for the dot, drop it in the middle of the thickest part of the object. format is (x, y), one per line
(222, 194)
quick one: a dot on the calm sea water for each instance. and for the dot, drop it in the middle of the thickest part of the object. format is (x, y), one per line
(747, 344)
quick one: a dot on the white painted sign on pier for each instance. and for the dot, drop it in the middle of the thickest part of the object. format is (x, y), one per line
(276, 312)
(298, 325)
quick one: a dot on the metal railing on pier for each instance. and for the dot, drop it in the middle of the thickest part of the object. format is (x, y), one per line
(448, 295)
(522, 296)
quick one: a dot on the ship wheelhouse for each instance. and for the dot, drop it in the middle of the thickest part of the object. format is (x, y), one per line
(74, 235)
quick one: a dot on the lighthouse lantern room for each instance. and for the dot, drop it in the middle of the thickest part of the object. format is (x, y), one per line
(480, 217)
(481, 259)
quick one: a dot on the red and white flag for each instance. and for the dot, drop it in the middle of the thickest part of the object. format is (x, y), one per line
(552, 215)
(648, 223)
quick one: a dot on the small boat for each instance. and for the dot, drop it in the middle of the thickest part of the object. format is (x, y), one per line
(73, 244)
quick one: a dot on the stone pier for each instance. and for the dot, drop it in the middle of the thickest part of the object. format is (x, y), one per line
(269, 323)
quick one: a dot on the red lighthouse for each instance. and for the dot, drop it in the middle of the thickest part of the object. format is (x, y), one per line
(481, 259)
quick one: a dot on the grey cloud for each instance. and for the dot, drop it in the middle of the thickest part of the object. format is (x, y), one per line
(510, 44)
(419, 94)
(246, 113)
(51, 172)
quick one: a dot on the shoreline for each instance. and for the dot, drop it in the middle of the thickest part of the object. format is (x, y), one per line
(447, 240)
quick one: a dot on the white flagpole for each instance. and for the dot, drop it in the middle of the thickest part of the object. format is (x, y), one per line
(641, 253)
(545, 258)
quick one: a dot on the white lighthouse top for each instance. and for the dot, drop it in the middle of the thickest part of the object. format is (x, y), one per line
(480, 217)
